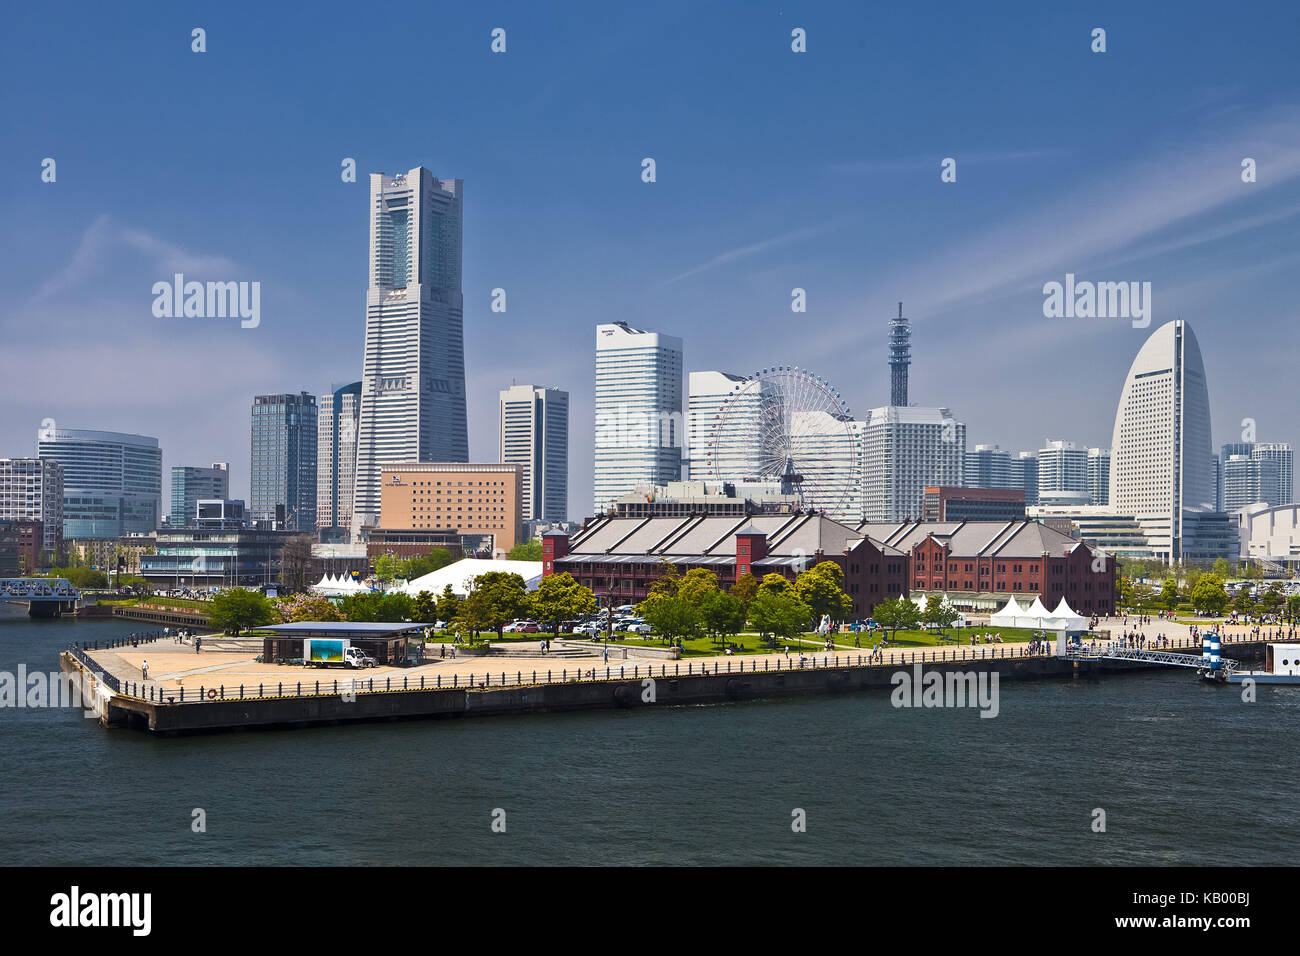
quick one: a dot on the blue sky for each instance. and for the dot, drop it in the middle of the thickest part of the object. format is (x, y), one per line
(775, 170)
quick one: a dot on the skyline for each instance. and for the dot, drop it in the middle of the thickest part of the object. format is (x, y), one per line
(1069, 176)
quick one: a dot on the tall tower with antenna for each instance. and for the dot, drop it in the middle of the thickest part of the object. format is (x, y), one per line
(900, 357)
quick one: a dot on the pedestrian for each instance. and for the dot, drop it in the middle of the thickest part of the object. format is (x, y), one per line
(144, 668)
(198, 643)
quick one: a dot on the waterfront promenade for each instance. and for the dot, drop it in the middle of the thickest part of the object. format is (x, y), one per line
(230, 665)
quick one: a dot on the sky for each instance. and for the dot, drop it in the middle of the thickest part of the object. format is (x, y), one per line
(775, 170)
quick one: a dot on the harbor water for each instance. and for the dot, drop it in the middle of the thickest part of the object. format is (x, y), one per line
(1185, 774)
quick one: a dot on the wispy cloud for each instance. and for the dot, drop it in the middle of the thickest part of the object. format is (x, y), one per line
(749, 251)
(104, 239)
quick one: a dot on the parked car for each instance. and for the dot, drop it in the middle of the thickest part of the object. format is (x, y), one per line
(528, 627)
(589, 629)
(642, 629)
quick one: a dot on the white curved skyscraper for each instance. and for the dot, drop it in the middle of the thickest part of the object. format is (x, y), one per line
(1161, 459)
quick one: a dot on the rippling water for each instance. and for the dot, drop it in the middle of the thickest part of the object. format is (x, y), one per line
(1186, 774)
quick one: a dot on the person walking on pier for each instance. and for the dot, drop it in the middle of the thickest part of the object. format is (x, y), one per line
(144, 668)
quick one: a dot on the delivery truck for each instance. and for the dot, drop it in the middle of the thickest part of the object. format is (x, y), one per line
(334, 652)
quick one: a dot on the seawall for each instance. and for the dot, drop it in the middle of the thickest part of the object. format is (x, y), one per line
(252, 711)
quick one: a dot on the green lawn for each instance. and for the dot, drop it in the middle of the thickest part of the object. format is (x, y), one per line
(158, 602)
(752, 644)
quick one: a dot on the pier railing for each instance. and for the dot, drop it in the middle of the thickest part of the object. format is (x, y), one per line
(496, 679)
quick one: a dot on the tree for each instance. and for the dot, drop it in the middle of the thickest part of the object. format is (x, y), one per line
(820, 587)
(1293, 606)
(237, 609)
(424, 608)
(373, 606)
(387, 567)
(304, 607)
(418, 567)
(1221, 569)
(526, 551)
(673, 617)
(1272, 599)
(495, 599)
(448, 605)
(899, 614)
(723, 615)
(746, 587)
(295, 562)
(666, 584)
(1209, 595)
(1244, 600)
(697, 586)
(561, 598)
(939, 613)
(1169, 593)
(775, 584)
(778, 613)
(81, 577)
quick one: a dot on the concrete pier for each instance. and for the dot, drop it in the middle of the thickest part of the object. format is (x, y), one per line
(309, 697)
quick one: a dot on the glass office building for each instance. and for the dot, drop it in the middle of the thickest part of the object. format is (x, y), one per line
(112, 482)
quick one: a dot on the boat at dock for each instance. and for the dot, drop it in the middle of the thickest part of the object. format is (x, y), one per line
(1281, 666)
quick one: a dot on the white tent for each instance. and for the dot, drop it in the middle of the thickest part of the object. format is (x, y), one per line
(341, 586)
(462, 573)
(1009, 616)
(1064, 618)
(1038, 613)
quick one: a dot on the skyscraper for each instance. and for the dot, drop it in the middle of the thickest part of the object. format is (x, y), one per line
(413, 386)
(112, 481)
(283, 462)
(639, 424)
(189, 484)
(900, 357)
(1063, 467)
(1099, 475)
(905, 450)
(336, 457)
(707, 392)
(1277, 489)
(31, 489)
(1024, 475)
(1161, 460)
(988, 466)
(534, 430)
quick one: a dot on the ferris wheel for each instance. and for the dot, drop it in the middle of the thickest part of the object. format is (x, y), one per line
(787, 423)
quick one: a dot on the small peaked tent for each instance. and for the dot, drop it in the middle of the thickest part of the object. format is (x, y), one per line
(1064, 618)
(1010, 616)
(1038, 613)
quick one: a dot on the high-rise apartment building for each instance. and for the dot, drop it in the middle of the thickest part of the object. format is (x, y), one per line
(906, 450)
(988, 466)
(534, 432)
(112, 481)
(31, 489)
(336, 457)
(640, 430)
(1248, 480)
(413, 386)
(1024, 475)
(1276, 481)
(189, 484)
(707, 393)
(1161, 461)
(1099, 475)
(1062, 467)
(282, 476)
